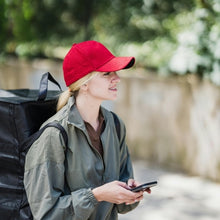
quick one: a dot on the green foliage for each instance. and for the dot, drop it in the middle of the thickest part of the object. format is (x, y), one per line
(198, 45)
(3, 26)
(167, 35)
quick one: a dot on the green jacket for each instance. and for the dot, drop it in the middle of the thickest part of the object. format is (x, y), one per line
(59, 179)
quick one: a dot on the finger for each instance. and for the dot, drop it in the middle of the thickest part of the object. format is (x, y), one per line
(148, 190)
(122, 184)
(135, 183)
(131, 183)
(140, 193)
(138, 199)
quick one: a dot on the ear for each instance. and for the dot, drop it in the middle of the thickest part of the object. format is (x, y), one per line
(84, 87)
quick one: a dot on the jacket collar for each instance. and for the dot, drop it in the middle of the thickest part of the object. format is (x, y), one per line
(74, 116)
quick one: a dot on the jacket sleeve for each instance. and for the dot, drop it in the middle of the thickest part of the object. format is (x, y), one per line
(126, 169)
(44, 181)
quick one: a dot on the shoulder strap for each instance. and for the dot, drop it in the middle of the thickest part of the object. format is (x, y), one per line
(26, 145)
(117, 125)
(59, 127)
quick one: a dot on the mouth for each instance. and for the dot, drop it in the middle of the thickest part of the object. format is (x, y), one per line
(113, 88)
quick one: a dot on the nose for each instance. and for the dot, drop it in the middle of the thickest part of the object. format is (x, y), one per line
(115, 78)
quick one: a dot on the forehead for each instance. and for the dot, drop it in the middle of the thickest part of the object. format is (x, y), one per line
(95, 76)
(98, 74)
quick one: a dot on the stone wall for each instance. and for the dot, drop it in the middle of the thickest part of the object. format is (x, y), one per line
(173, 121)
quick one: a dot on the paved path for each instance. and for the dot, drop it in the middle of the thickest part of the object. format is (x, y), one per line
(177, 197)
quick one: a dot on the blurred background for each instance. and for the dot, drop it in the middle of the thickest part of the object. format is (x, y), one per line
(170, 100)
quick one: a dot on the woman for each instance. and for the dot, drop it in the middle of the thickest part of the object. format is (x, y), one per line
(91, 177)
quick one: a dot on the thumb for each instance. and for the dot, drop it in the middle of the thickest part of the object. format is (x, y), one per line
(124, 185)
(131, 183)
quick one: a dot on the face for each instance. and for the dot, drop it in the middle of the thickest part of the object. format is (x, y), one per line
(103, 86)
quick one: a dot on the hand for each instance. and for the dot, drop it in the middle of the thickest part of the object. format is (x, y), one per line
(116, 192)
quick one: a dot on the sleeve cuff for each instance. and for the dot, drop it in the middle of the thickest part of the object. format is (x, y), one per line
(92, 198)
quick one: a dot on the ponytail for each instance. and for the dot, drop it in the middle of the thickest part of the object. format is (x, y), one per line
(63, 99)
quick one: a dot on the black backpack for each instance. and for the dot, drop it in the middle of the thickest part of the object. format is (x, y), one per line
(22, 112)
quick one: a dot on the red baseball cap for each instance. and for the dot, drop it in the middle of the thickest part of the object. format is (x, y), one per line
(88, 56)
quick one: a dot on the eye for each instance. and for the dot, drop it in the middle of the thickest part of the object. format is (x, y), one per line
(106, 74)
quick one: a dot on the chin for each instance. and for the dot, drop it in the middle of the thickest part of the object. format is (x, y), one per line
(110, 97)
(114, 98)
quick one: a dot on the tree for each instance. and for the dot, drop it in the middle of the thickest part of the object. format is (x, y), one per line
(154, 30)
(3, 29)
(198, 45)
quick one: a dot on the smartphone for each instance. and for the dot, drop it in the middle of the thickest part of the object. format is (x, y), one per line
(144, 186)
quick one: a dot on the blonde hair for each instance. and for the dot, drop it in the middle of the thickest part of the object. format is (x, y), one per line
(73, 90)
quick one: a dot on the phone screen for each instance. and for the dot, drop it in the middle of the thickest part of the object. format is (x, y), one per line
(144, 186)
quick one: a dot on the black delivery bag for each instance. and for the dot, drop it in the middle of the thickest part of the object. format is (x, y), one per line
(22, 112)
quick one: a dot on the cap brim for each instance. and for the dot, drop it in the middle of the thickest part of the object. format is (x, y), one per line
(117, 63)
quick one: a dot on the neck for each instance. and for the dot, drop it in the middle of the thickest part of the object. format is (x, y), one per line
(88, 109)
